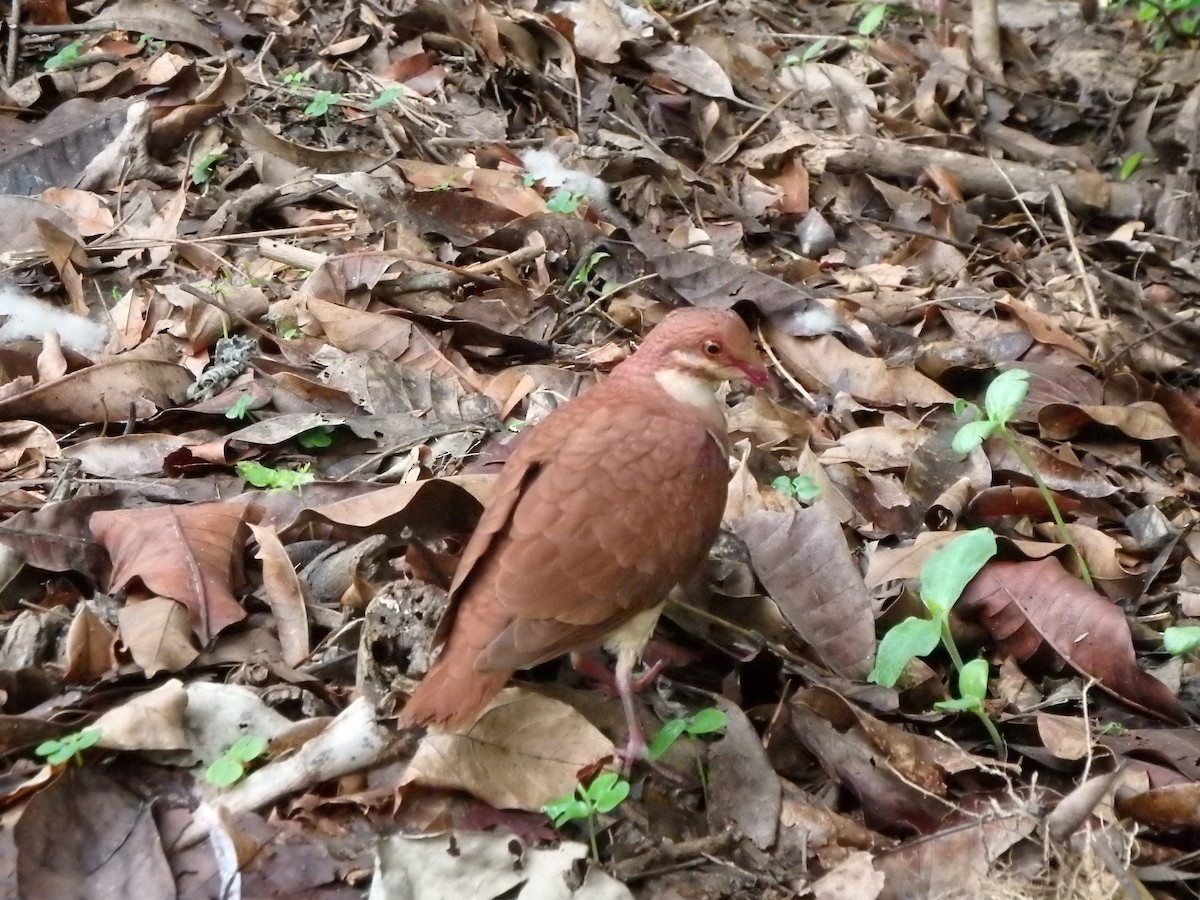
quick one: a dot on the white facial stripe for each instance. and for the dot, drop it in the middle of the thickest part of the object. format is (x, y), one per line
(688, 388)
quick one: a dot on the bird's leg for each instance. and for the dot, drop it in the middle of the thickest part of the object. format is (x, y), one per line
(635, 748)
(597, 672)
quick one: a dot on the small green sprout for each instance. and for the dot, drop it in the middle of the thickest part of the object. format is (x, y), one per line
(321, 103)
(203, 169)
(1131, 164)
(240, 408)
(275, 479)
(387, 97)
(802, 487)
(705, 721)
(1181, 640)
(68, 747)
(295, 79)
(153, 45)
(607, 791)
(583, 275)
(1003, 398)
(872, 19)
(316, 438)
(515, 425)
(230, 766)
(944, 577)
(65, 57)
(564, 201)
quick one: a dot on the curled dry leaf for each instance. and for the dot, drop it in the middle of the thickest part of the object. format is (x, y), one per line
(188, 553)
(285, 593)
(1036, 607)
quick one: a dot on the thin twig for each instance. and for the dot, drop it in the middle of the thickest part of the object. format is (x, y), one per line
(783, 372)
(1060, 203)
(14, 44)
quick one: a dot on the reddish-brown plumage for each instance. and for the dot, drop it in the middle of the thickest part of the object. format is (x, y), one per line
(605, 505)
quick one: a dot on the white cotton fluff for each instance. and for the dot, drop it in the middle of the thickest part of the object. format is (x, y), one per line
(546, 167)
(29, 317)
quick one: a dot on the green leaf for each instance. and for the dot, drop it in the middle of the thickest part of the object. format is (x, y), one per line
(963, 704)
(240, 407)
(202, 171)
(972, 435)
(706, 721)
(1180, 640)
(247, 748)
(563, 201)
(805, 488)
(973, 680)
(316, 439)
(566, 809)
(387, 97)
(321, 103)
(909, 639)
(64, 57)
(947, 572)
(1005, 394)
(667, 735)
(613, 797)
(812, 51)
(961, 406)
(872, 20)
(224, 771)
(46, 748)
(1130, 165)
(601, 785)
(275, 479)
(89, 737)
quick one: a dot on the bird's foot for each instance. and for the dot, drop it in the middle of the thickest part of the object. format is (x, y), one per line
(633, 752)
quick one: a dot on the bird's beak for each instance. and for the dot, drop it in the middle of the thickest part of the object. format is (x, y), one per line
(756, 375)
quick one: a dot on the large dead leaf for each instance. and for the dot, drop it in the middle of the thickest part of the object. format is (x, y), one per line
(524, 751)
(802, 559)
(191, 554)
(116, 389)
(88, 836)
(1036, 607)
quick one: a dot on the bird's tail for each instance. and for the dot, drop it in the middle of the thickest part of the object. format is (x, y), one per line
(453, 693)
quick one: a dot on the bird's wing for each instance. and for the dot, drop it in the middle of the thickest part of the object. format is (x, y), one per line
(606, 519)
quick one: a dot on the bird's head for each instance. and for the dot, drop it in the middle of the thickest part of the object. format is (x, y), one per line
(704, 344)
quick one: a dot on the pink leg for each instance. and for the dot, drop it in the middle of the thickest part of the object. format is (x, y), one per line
(635, 749)
(589, 668)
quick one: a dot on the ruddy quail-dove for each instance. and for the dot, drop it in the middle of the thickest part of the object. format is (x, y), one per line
(605, 506)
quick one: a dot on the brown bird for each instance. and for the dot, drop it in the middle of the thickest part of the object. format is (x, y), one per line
(605, 506)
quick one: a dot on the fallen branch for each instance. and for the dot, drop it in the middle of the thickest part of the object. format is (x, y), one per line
(1086, 192)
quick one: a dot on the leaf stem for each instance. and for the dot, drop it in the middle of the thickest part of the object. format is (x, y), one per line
(951, 647)
(997, 742)
(1084, 572)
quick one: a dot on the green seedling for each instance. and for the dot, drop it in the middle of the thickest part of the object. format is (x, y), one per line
(800, 487)
(153, 45)
(317, 438)
(387, 97)
(202, 171)
(583, 275)
(564, 201)
(1003, 397)
(811, 52)
(872, 19)
(68, 747)
(240, 408)
(295, 79)
(944, 577)
(275, 479)
(706, 721)
(1131, 164)
(65, 57)
(607, 791)
(1181, 640)
(322, 103)
(230, 767)
(515, 425)
(1168, 21)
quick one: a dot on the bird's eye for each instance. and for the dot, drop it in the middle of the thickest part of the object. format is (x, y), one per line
(711, 348)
